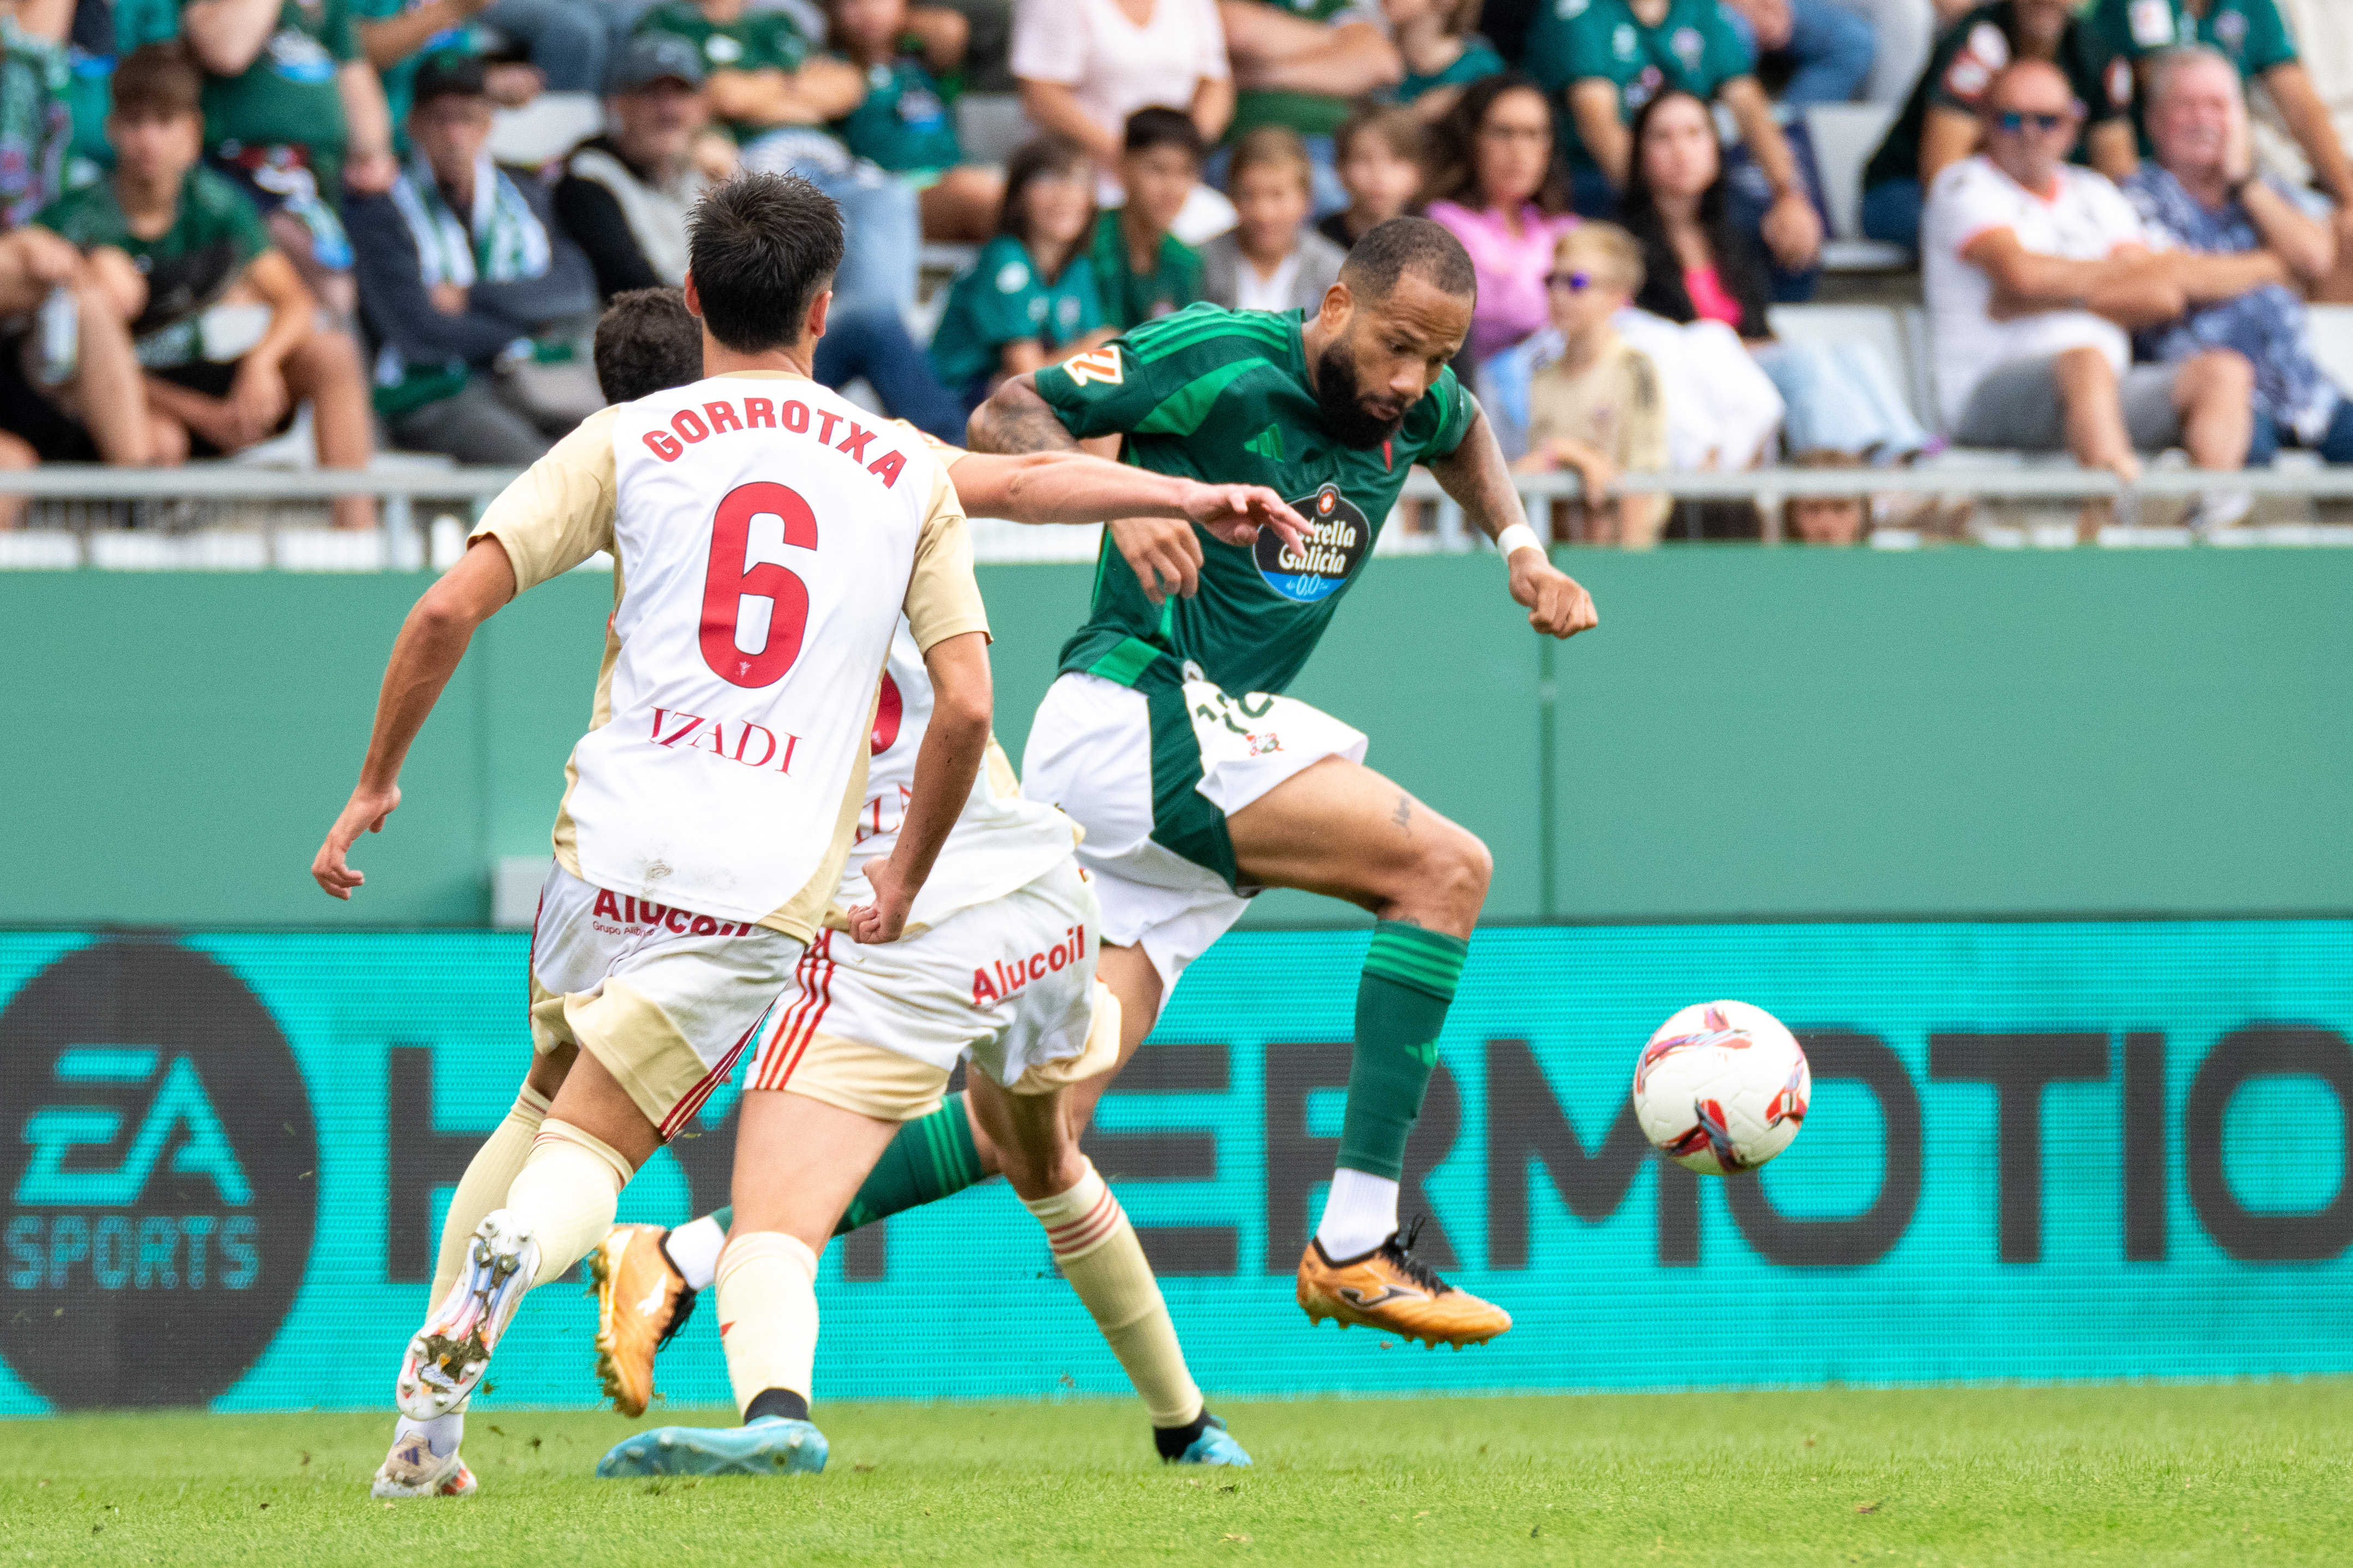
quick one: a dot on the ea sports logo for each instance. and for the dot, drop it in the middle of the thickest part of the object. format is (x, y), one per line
(158, 1177)
(1338, 539)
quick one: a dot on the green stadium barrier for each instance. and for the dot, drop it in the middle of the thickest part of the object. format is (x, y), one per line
(2036, 1151)
(1750, 732)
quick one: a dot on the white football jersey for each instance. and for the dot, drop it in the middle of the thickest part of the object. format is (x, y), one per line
(769, 536)
(1001, 841)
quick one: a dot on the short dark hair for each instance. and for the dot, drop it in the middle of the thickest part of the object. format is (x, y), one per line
(446, 73)
(1160, 127)
(1390, 250)
(761, 248)
(1040, 158)
(647, 342)
(158, 81)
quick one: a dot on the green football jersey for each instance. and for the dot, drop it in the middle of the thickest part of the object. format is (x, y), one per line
(1003, 299)
(1223, 396)
(2251, 33)
(903, 124)
(288, 95)
(1309, 113)
(1964, 63)
(757, 40)
(1129, 298)
(214, 237)
(1692, 50)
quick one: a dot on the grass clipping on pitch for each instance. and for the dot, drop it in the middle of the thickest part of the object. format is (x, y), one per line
(2244, 1473)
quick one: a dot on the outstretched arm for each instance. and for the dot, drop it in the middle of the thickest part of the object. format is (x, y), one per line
(1074, 487)
(945, 764)
(425, 654)
(1480, 480)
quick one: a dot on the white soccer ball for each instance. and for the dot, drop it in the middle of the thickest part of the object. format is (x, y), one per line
(1721, 1087)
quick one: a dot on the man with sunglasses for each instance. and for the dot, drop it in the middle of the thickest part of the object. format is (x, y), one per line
(1940, 124)
(2034, 271)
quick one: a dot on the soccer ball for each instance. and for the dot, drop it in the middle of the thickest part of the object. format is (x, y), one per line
(1721, 1087)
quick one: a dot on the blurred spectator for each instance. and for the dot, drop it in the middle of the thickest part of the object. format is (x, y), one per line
(1826, 49)
(1593, 400)
(2252, 35)
(475, 298)
(1143, 268)
(294, 116)
(1835, 520)
(775, 94)
(102, 32)
(625, 196)
(904, 124)
(1029, 299)
(36, 120)
(1723, 410)
(1301, 63)
(1838, 397)
(647, 342)
(2202, 194)
(1940, 124)
(1443, 52)
(71, 386)
(2324, 37)
(1497, 188)
(1270, 260)
(1379, 153)
(227, 334)
(2033, 269)
(1085, 66)
(1610, 57)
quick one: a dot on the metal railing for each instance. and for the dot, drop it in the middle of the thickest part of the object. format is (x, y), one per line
(227, 517)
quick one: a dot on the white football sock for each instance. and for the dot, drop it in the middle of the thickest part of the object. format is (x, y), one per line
(442, 1434)
(768, 1315)
(693, 1247)
(1359, 1215)
(565, 1195)
(489, 1174)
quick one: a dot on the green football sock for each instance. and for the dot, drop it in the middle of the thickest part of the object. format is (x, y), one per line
(1401, 1001)
(929, 1160)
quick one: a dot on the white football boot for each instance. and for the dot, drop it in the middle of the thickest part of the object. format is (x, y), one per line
(446, 1360)
(414, 1470)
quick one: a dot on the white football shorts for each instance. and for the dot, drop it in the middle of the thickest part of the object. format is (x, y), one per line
(1151, 772)
(666, 1000)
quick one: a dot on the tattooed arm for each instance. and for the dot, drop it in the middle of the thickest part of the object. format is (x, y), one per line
(1015, 419)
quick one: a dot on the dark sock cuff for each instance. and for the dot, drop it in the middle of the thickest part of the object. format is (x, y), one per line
(781, 1401)
(1172, 1441)
(1429, 961)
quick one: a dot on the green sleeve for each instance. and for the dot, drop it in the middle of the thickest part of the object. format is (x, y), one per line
(2268, 42)
(1585, 44)
(335, 32)
(138, 22)
(1091, 313)
(1726, 56)
(64, 217)
(2106, 31)
(1453, 407)
(775, 44)
(245, 226)
(1103, 393)
(1000, 289)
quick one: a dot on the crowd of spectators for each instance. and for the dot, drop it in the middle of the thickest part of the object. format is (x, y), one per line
(215, 214)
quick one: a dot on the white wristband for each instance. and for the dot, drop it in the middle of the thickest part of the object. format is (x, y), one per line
(1517, 537)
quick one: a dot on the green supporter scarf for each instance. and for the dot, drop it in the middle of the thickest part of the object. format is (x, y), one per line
(503, 242)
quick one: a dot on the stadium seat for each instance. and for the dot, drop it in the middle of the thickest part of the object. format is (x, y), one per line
(1884, 325)
(1846, 135)
(545, 129)
(2332, 341)
(990, 125)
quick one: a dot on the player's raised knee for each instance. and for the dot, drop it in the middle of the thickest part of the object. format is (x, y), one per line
(1453, 870)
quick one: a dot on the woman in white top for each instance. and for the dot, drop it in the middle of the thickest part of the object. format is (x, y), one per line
(1085, 66)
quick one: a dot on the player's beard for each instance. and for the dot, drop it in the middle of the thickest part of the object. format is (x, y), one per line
(1340, 397)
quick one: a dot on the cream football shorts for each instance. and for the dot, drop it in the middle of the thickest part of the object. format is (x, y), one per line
(1151, 767)
(876, 1030)
(666, 1000)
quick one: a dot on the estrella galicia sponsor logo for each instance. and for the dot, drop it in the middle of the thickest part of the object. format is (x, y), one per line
(160, 1177)
(1338, 538)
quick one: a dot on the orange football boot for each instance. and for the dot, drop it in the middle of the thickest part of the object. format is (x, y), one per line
(1387, 1288)
(642, 1301)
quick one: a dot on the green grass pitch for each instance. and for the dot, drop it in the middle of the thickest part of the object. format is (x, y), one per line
(2241, 1473)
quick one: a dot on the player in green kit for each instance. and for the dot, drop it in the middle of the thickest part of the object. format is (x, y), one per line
(1167, 736)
